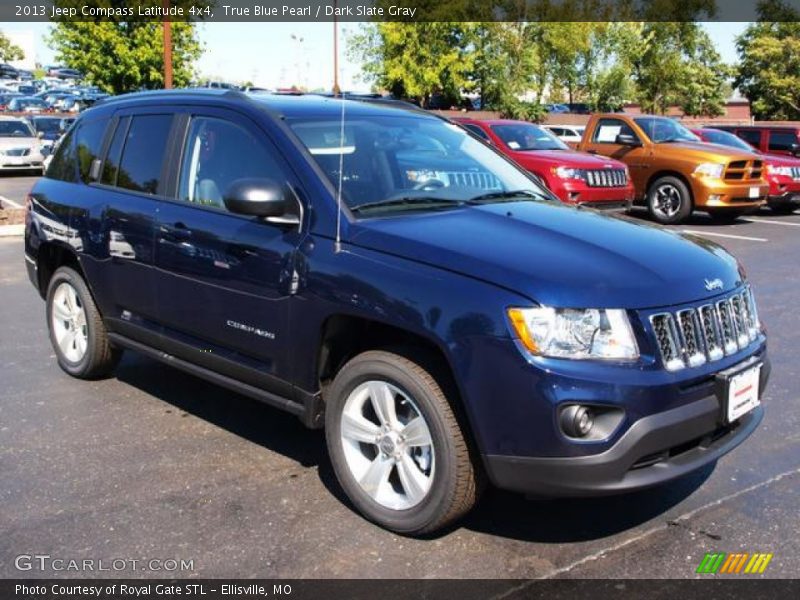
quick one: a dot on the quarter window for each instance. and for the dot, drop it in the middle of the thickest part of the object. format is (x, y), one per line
(88, 145)
(143, 153)
(65, 162)
(217, 153)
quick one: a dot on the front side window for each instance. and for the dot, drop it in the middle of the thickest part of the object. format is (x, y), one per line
(404, 162)
(217, 153)
(524, 137)
(782, 140)
(661, 130)
(607, 131)
(143, 153)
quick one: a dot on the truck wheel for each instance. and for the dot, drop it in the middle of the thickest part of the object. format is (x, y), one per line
(669, 200)
(396, 446)
(77, 331)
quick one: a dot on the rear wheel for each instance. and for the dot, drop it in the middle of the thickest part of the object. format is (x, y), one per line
(77, 331)
(396, 446)
(669, 200)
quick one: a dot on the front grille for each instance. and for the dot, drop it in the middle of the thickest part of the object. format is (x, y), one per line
(743, 170)
(605, 177)
(694, 336)
(795, 172)
(480, 180)
(18, 152)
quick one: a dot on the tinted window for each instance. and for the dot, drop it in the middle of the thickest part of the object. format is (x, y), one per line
(13, 128)
(477, 131)
(558, 131)
(662, 130)
(65, 162)
(607, 131)
(89, 143)
(726, 139)
(751, 137)
(216, 154)
(782, 140)
(111, 164)
(143, 153)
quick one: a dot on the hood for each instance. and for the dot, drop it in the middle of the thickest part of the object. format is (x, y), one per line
(18, 142)
(780, 160)
(566, 158)
(558, 255)
(703, 151)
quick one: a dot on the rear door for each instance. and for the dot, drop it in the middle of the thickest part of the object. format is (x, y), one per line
(225, 280)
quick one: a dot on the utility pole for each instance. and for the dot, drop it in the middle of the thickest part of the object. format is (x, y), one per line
(167, 48)
(336, 89)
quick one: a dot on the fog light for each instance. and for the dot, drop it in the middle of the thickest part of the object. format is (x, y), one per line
(577, 421)
(714, 198)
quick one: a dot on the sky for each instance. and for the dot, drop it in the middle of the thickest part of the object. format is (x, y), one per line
(276, 55)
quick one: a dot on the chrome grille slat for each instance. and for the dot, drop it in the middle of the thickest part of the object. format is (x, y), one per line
(690, 337)
(605, 177)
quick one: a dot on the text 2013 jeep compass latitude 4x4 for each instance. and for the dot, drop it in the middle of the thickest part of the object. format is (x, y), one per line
(465, 327)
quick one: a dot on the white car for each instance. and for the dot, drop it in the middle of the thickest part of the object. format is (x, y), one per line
(569, 134)
(20, 147)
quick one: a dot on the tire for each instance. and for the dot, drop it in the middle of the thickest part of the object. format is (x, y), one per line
(783, 209)
(669, 200)
(420, 488)
(76, 328)
(727, 215)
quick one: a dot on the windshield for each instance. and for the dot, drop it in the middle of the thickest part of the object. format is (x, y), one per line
(396, 163)
(662, 130)
(524, 136)
(47, 125)
(724, 138)
(15, 129)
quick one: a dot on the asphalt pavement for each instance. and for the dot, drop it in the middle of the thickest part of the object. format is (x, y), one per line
(156, 464)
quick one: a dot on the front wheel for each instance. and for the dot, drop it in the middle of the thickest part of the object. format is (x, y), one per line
(76, 328)
(669, 200)
(396, 445)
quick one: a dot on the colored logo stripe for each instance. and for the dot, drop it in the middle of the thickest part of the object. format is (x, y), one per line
(720, 562)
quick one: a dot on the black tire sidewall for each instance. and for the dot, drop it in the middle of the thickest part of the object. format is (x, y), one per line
(686, 200)
(436, 503)
(65, 274)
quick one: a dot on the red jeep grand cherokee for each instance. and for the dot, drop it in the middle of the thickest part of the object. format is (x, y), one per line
(783, 172)
(575, 177)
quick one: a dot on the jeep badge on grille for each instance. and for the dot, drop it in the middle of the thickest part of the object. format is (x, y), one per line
(713, 284)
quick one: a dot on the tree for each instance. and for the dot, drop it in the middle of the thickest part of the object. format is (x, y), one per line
(122, 56)
(9, 51)
(769, 62)
(705, 87)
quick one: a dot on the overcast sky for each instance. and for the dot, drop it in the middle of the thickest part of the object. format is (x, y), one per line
(268, 55)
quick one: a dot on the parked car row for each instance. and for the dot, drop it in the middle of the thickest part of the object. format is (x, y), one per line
(622, 159)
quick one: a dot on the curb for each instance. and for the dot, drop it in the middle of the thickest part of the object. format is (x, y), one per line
(12, 230)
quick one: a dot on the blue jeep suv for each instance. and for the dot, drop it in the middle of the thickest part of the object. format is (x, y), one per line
(380, 272)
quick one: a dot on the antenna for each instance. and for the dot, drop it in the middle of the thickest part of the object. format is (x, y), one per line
(339, 187)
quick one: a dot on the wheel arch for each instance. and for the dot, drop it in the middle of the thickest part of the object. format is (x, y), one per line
(50, 257)
(668, 173)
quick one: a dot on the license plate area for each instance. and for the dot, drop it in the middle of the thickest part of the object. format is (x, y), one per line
(754, 192)
(738, 390)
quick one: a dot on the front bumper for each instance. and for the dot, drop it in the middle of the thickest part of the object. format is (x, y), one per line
(578, 192)
(719, 194)
(655, 449)
(789, 198)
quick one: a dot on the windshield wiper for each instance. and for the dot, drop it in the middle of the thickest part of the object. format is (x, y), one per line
(408, 201)
(506, 196)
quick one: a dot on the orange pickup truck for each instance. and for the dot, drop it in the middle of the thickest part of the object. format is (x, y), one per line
(673, 171)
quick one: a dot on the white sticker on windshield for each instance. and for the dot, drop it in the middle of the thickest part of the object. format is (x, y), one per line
(513, 145)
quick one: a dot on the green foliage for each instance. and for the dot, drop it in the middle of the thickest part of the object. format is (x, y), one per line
(511, 108)
(9, 51)
(122, 56)
(769, 67)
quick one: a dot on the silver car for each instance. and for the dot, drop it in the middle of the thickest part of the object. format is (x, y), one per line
(20, 147)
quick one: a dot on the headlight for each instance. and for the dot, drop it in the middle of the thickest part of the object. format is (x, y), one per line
(773, 170)
(710, 170)
(568, 173)
(577, 334)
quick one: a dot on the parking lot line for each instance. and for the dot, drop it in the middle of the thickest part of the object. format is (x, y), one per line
(771, 222)
(725, 235)
(3, 199)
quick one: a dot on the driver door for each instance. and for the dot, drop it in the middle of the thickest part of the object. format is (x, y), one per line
(604, 143)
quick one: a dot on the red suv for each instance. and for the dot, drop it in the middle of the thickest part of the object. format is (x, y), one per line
(771, 139)
(782, 172)
(575, 177)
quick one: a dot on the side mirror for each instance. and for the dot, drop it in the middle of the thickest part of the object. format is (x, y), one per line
(795, 149)
(265, 199)
(626, 139)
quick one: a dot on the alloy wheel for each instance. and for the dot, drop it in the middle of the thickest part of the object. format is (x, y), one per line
(68, 320)
(667, 202)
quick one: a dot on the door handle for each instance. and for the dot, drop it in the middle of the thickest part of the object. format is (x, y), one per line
(176, 231)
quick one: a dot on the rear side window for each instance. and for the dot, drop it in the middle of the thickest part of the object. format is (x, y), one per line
(782, 140)
(64, 166)
(88, 146)
(143, 153)
(752, 137)
(111, 164)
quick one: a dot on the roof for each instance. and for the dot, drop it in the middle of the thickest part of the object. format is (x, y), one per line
(281, 104)
(493, 121)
